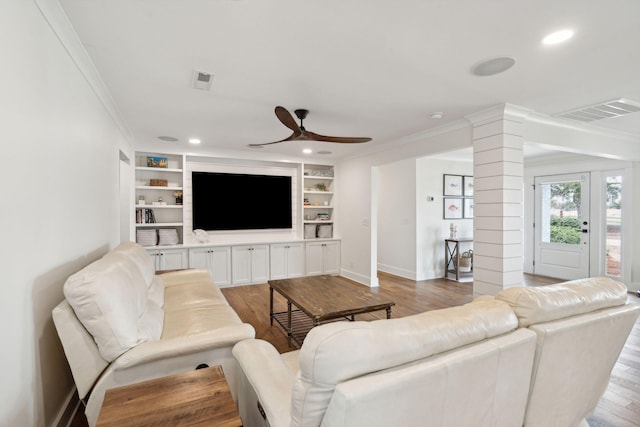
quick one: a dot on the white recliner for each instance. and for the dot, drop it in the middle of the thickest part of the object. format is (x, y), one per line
(581, 328)
(462, 366)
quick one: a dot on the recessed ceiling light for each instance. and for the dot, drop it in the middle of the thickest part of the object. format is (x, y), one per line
(437, 115)
(168, 138)
(194, 141)
(557, 37)
(493, 66)
(307, 151)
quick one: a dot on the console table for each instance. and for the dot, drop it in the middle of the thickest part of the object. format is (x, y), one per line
(452, 258)
(198, 397)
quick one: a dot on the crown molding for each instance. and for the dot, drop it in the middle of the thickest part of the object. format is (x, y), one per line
(504, 111)
(58, 21)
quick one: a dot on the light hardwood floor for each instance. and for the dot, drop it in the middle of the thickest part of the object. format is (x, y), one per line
(620, 406)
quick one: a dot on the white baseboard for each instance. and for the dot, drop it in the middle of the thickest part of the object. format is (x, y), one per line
(401, 272)
(68, 411)
(372, 282)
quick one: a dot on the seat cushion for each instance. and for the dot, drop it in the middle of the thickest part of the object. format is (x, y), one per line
(546, 303)
(194, 320)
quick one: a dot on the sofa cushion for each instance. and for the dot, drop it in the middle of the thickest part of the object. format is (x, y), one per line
(195, 320)
(546, 303)
(109, 297)
(192, 295)
(339, 351)
(139, 256)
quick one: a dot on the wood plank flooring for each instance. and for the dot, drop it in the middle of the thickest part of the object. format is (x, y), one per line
(619, 407)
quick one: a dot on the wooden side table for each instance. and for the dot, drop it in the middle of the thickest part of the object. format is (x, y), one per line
(198, 397)
(452, 258)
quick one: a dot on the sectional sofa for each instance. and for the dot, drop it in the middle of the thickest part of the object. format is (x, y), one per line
(538, 357)
(120, 323)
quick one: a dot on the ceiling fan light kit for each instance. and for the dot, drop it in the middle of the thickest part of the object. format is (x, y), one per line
(302, 134)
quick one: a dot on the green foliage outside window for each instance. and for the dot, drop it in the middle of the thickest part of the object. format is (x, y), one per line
(565, 230)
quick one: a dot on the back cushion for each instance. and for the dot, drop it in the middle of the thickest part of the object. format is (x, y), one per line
(336, 352)
(109, 297)
(546, 303)
(139, 256)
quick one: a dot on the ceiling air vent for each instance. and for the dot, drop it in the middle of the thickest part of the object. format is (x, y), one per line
(202, 80)
(604, 110)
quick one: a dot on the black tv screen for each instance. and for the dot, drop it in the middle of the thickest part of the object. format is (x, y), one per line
(229, 201)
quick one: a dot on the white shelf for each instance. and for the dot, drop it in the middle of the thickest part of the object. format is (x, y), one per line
(318, 221)
(149, 169)
(159, 206)
(328, 193)
(160, 224)
(329, 178)
(157, 187)
(318, 207)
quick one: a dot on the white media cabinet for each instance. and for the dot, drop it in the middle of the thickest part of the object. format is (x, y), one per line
(245, 264)
(310, 247)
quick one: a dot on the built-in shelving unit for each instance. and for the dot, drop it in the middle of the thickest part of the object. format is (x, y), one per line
(159, 188)
(318, 209)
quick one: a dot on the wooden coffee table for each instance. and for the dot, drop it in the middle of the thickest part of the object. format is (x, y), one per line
(198, 397)
(321, 299)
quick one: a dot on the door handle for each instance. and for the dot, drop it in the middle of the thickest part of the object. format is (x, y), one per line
(584, 230)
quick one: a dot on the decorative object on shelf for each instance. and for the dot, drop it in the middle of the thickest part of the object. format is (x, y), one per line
(452, 208)
(145, 216)
(160, 202)
(178, 195)
(320, 186)
(465, 261)
(158, 182)
(325, 231)
(200, 236)
(468, 208)
(327, 173)
(141, 200)
(323, 216)
(306, 201)
(167, 236)
(147, 237)
(157, 162)
(452, 185)
(468, 186)
(453, 231)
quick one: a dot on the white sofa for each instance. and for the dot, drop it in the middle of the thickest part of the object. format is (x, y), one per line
(121, 323)
(530, 356)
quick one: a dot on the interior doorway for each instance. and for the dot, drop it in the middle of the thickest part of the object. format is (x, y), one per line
(561, 226)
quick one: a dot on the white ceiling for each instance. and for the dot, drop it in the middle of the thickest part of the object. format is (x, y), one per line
(362, 67)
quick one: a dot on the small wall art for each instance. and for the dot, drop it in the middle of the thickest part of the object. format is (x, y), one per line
(452, 185)
(452, 208)
(468, 208)
(468, 186)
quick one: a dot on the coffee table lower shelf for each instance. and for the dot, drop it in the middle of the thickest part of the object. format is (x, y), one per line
(301, 324)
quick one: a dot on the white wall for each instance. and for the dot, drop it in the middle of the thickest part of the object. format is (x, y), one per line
(432, 229)
(60, 205)
(397, 218)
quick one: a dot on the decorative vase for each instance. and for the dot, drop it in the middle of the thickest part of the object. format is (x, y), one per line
(178, 200)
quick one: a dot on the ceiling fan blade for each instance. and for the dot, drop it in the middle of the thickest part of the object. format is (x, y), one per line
(287, 119)
(345, 140)
(291, 137)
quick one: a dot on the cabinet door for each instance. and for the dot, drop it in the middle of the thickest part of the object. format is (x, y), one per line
(199, 258)
(220, 265)
(259, 263)
(173, 259)
(314, 258)
(278, 261)
(332, 258)
(241, 265)
(295, 260)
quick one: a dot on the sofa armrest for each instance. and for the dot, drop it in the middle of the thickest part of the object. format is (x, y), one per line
(151, 351)
(271, 379)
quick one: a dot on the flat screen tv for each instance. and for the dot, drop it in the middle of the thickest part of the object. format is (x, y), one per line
(229, 201)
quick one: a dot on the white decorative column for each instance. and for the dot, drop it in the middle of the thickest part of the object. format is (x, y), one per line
(498, 199)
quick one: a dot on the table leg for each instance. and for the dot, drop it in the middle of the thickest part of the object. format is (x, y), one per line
(289, 327)
(271, 305)
(388, 312)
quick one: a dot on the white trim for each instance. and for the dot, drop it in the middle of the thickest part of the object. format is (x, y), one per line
(371, 282)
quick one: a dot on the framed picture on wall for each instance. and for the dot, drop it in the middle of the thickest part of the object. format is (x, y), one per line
(468, 208)
(467, 186)
(452, 208)
(452, 185)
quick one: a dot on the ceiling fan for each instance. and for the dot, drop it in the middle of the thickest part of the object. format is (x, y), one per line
(301, 134)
